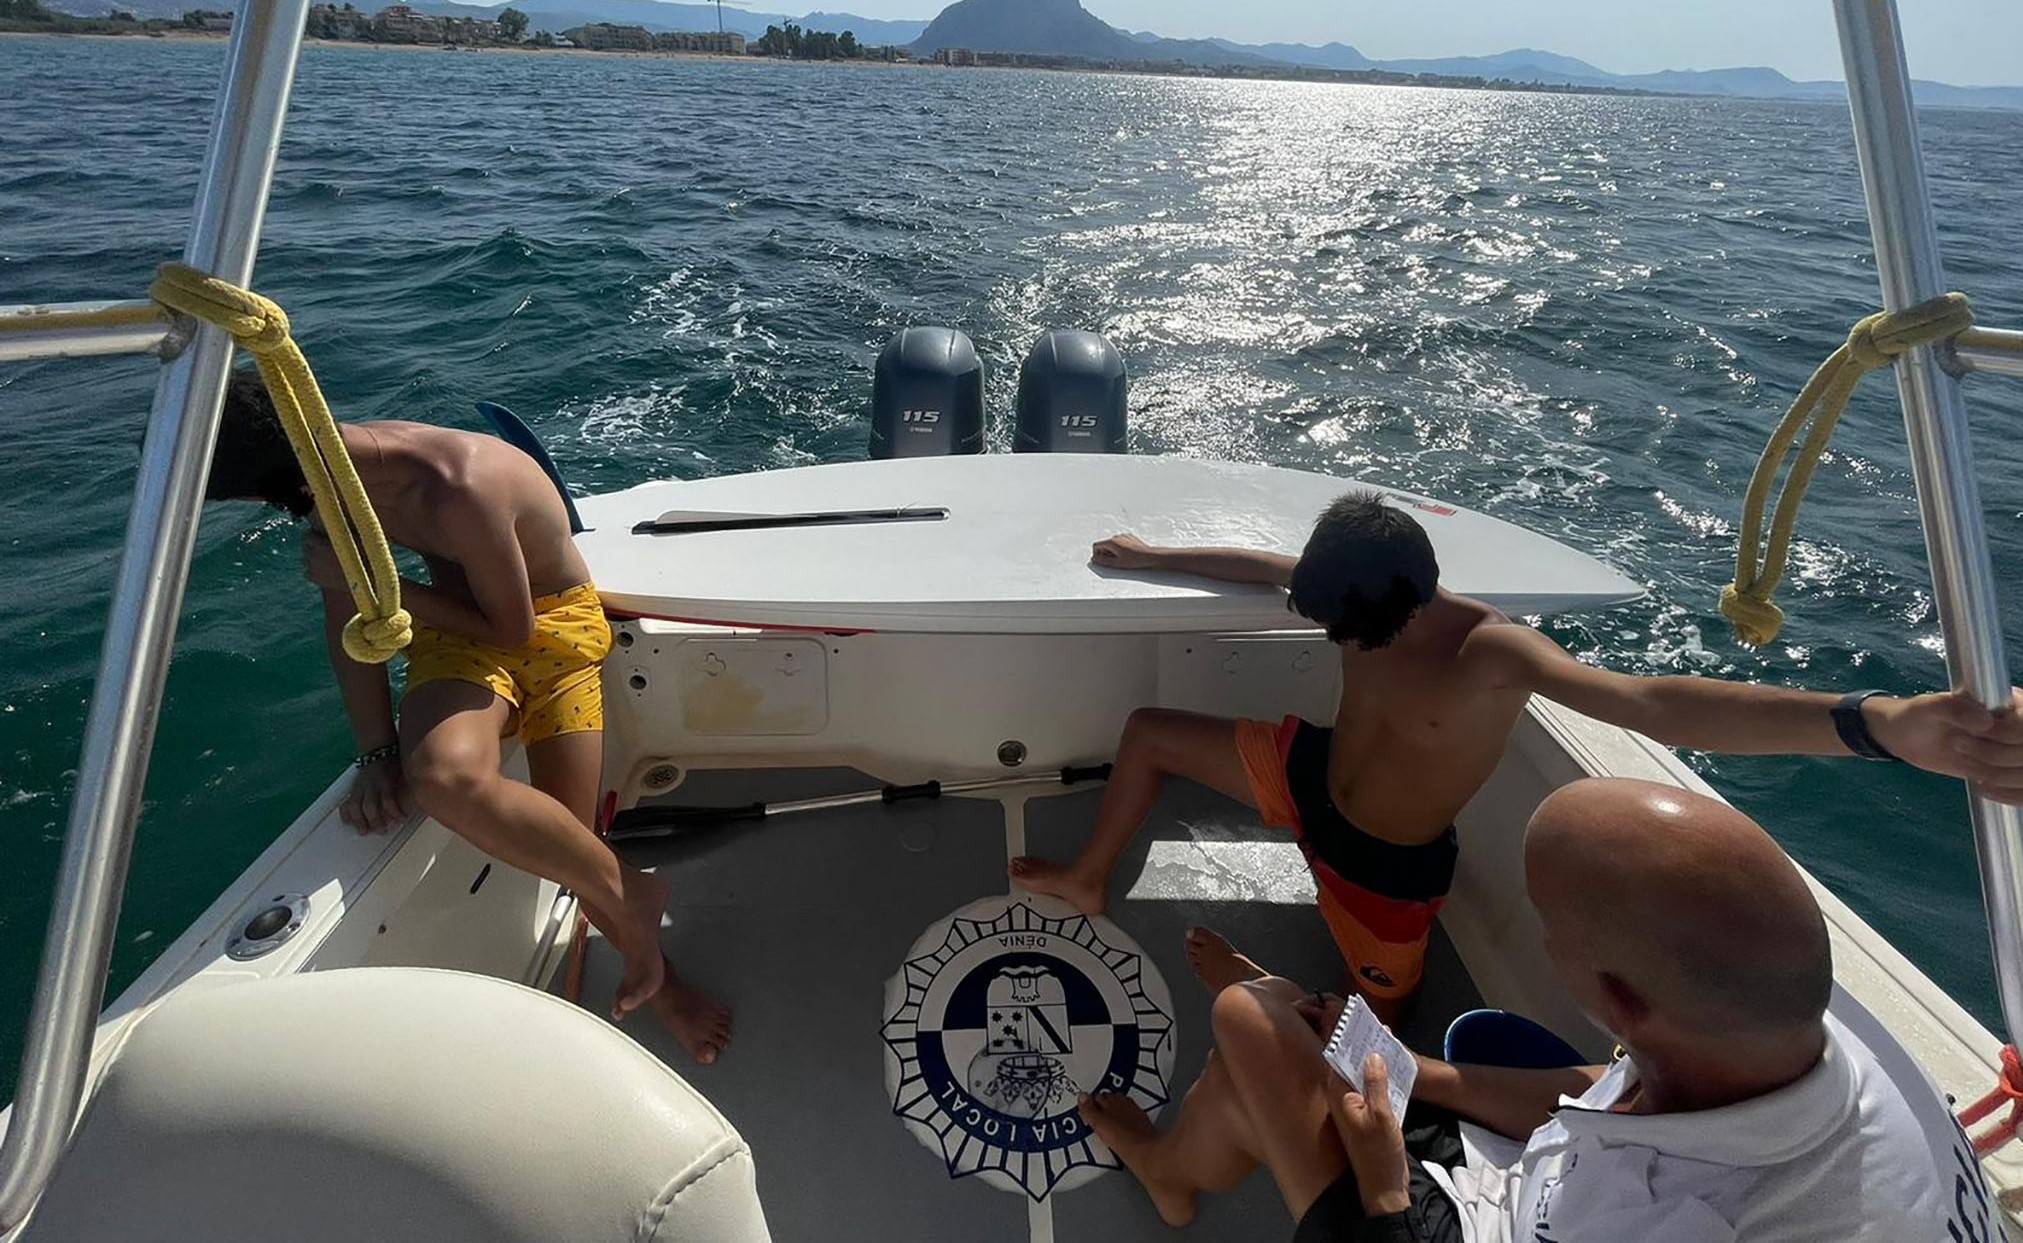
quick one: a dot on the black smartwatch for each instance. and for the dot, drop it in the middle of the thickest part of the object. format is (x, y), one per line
(1852, 726)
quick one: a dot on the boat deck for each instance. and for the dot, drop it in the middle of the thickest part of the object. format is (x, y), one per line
(798, 922)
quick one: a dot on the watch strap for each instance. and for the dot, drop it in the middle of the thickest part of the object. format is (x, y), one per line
(1852, 726)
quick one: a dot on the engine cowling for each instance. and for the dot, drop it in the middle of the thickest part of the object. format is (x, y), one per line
(927, 395)
(1072, 395)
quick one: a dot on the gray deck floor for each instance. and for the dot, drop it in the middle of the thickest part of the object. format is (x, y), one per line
(797, 922)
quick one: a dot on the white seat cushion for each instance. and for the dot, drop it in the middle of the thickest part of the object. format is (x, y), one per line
(392, 1104)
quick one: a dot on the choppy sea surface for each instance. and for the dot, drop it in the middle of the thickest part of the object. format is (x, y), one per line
(1578, 313)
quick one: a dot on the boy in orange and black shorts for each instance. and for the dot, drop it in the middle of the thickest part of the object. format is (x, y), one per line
(1432, 685)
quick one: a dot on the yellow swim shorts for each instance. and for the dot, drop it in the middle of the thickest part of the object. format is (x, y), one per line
(554, 680)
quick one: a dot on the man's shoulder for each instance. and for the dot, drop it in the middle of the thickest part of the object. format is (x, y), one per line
(1897, 1167)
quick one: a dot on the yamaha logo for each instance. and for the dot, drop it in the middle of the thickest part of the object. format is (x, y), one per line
(1002, 1016)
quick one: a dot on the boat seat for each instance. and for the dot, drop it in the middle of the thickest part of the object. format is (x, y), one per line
(393, 1104)
(1500, 1038)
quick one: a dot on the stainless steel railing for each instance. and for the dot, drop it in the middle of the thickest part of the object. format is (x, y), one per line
(157, 336)
(1942, 460)
(2007, 362)
(146, 598)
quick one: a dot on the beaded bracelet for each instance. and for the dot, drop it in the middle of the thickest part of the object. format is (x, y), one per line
(378, 755)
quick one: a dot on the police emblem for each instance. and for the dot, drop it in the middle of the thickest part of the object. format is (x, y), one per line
(1001, 1017)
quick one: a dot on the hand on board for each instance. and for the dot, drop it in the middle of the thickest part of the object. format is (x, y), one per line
(378, 800)
(1124, 552)
(1951, 733)
(1374, 1139)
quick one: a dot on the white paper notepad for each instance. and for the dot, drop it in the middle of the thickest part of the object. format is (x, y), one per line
(1359, 1034)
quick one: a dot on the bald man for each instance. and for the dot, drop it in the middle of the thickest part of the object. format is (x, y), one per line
(1741, 1110)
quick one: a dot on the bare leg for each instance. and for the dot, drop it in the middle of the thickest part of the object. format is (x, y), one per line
(1208, 1148)
(449, 733)
(1156, 743)
(1273, 1059)
(570, 769)
(1261, 1100)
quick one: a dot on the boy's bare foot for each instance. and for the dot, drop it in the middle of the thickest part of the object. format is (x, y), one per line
(1059, 880)
(635, 933)
(698, 1021)
(1118, 1122)
(1216, 961)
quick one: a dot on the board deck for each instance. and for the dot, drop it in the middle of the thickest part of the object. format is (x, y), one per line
(1012, 554)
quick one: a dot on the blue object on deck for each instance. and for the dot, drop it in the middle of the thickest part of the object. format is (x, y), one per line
(1500, 1038)
(514, 431)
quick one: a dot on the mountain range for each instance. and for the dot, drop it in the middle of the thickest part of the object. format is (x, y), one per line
(1064, 28)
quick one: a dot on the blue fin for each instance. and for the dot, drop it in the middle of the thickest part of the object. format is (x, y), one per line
(514, 431)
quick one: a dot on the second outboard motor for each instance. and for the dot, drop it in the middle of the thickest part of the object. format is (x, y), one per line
(1071, 395)
(927, 395)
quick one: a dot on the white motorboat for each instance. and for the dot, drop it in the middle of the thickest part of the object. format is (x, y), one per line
(359, 1038)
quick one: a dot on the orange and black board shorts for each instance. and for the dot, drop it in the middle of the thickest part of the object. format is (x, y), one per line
(554, 680)
(1382, 919)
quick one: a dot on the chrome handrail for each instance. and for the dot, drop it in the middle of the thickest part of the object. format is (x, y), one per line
(141, 626)
(152, 336)
(1942, 460)
(2007, 361)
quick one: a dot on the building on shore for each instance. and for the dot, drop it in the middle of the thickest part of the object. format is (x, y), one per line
(720, 43)
(955, 56)
(605, 37)
(337, 21)
(472, 30)
(401, 24)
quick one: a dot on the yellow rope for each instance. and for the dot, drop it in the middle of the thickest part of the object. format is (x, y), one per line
(381, 626)
(1874, 343)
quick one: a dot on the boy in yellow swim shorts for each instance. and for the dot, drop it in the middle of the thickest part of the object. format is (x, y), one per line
(553, 681)
(509, 639)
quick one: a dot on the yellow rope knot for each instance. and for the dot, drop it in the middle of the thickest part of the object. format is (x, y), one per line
(1874, 343)
(260, 327)
(372, 642)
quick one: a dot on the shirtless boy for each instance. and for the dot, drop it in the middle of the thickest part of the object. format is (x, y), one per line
(508, 638)
(1432, 685)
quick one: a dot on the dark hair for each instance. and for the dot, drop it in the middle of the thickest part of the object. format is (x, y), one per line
(253, 460)
(1365, 570)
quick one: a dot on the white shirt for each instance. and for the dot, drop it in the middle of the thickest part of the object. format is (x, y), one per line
(1842, 1155)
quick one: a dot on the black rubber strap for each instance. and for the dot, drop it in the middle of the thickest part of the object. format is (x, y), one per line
(899, 794)
(1094, 772)
(1852, 726)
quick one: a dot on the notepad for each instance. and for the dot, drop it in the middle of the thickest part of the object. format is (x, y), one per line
(1359, 1034)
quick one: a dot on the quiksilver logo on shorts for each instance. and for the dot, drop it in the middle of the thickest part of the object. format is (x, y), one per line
(1001, 1017)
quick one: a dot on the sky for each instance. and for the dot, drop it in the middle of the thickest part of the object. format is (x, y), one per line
(1965, 42)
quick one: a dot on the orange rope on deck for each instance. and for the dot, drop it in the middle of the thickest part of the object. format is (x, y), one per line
(2008, 1087)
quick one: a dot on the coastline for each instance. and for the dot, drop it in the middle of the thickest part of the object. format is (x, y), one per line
(215, 36)
(1157, 71)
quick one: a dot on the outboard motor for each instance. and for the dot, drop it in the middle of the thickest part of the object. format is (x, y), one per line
(927, 395)
(1071, 396)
